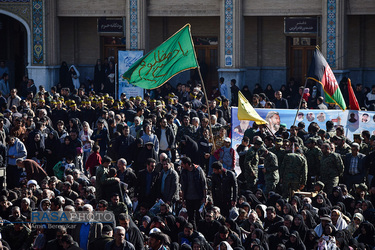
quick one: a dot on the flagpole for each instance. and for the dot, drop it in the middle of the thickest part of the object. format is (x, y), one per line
(208, 108)
(300, 101)
(270, 131)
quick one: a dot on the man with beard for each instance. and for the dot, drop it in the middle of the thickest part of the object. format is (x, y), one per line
(273, 119)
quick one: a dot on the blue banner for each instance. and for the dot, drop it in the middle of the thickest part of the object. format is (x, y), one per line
(354, 122)
(125, 61)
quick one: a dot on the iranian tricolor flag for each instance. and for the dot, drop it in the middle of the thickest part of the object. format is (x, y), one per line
(321, 72)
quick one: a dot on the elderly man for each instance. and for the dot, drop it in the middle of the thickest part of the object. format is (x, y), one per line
(16, 149)
(120, 241)
(355, 170)
(280, 102)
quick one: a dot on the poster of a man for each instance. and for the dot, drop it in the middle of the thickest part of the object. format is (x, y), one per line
(321, 117)
(241, 128)
(300, 116)
(310, 116)
(353, 118)
(365, 118)
(273, 119)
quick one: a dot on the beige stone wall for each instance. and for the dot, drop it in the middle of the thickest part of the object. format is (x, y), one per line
(273, 42)
(200, 26)
(97, 8)
(184, 8)
(67, 40)
(79, 40)
(370, 41)
(250, 42)
(282, 8)
(360, 7)
(353, 45)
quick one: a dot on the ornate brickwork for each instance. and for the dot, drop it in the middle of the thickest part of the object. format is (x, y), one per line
(228, 27)
(38, 49)
(20, 9)
(133, 24)
(331, 33)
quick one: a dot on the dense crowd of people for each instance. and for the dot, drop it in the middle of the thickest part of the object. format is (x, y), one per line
(166, 169)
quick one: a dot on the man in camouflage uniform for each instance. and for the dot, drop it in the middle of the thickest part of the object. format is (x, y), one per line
(342, 148)
(294, 133)
(313, 157)
(293, 172)
(270, 170)
(278, 150)
(323, 135)
(331, 168)
(251, 164)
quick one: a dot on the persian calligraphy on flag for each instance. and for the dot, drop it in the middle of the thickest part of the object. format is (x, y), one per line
(173, 56)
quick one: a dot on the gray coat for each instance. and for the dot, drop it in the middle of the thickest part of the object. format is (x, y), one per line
(171, 186)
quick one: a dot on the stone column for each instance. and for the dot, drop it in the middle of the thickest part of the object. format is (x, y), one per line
(231, 42)
(334, 25)
(137, 25)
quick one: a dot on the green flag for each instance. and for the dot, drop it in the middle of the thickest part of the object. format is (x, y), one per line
(172, 57)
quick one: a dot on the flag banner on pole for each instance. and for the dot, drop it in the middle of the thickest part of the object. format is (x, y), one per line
(247, 112)
(320, 71)
(353, 103)
(173, 56)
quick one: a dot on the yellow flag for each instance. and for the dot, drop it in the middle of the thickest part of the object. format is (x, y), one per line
(247, 112)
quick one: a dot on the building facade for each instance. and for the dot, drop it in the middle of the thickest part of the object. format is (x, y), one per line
(266, 42)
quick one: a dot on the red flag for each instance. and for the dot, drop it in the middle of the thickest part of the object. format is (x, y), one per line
(353, 103)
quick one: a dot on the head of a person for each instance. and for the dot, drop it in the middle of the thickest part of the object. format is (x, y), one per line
(121, 164)
(217, 167)
(119, 235)
(150, 165)
(271, 213)
(188, 229)
(166, 164)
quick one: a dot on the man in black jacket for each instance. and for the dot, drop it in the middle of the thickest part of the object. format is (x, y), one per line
(273, 221)
(122, 144)
(146, 188)
(224, 188)
(133, 235)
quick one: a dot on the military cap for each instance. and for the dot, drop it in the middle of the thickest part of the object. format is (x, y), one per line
(359, 136)
(279, 140)
(321, 132)
(258, 141)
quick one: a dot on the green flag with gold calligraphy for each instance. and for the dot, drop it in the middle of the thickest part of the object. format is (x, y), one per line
(172, 57)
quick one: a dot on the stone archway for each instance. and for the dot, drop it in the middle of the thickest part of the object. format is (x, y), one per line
(21, 54)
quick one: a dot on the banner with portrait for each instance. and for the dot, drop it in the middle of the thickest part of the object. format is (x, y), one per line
(354, 122)
(125, 61)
